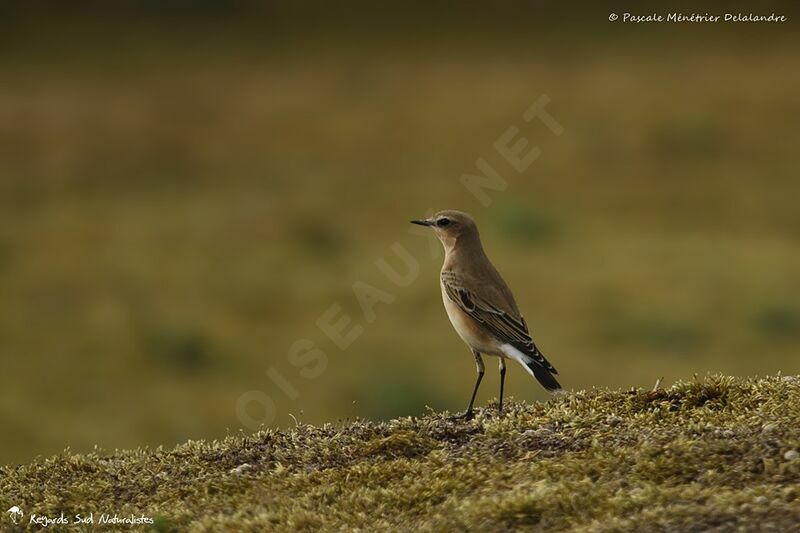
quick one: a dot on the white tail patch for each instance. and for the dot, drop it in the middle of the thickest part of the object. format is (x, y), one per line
(517, 356)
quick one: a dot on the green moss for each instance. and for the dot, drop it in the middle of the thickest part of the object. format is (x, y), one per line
(699, 455)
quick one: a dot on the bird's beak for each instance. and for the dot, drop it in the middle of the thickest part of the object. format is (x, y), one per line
(422, 222)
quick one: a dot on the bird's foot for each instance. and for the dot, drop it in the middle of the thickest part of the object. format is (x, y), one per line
(494, 411)
(467, 415)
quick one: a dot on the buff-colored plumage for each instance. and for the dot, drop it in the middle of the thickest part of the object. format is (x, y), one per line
(480, 304)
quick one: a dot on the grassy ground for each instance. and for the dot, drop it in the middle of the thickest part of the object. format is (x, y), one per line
(719, 453)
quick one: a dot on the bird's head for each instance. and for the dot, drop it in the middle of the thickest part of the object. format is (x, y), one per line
(450, 226)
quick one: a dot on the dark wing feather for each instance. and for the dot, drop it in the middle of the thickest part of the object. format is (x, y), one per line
(505, 327)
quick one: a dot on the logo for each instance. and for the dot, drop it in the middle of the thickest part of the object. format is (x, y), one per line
(16, 513)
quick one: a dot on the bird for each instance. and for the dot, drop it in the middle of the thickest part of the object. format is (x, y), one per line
(480, 305)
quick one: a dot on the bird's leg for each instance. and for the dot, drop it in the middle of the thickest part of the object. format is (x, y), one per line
(469, 415)
(481, 370)
(502, 383)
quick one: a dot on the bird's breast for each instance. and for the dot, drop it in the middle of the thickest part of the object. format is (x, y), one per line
(468, 329)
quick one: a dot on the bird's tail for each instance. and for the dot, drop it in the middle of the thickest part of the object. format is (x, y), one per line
(543, 376)
(536, 368)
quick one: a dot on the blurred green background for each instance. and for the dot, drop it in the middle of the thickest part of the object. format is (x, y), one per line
(184, 191)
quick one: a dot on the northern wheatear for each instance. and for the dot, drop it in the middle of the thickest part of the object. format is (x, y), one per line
(480, 305)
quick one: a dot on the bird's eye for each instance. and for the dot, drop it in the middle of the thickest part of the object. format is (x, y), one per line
(442, 222)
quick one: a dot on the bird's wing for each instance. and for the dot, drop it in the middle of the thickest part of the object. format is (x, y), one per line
(503, 325)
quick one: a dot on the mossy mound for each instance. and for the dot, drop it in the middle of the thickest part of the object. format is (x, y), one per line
(719, 454)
